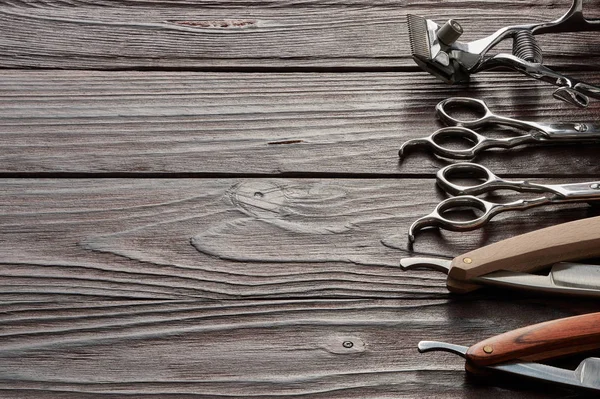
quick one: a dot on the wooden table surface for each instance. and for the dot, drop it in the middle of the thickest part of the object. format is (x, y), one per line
(202, 198)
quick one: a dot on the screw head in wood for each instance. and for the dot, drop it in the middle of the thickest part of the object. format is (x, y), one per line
(488, 349)
(468, 261)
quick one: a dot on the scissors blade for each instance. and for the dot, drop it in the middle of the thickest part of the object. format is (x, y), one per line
(576, 192)
(577, 131)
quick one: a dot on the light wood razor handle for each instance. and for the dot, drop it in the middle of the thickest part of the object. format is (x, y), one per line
(529, 252)
(539, 341)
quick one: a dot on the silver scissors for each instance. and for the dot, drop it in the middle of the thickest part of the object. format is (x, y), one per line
(465, 199)
(536, 133)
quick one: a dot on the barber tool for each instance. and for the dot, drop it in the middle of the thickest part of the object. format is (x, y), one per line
(537, 133)
(516, 352)
(465, 199)
(436, 50)
(508, 263)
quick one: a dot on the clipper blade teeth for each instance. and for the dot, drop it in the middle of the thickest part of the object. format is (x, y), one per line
(418, 36)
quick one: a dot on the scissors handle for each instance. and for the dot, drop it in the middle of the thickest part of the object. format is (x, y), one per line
(480, 107)
(585, 191)
(474, 141)
(490, 182)
(483, 211)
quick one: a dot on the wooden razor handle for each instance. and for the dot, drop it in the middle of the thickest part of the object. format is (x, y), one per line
(529, 252)
(539, 341)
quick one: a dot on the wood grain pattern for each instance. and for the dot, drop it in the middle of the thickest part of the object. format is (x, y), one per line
(258, 349)
(539, 341)
(188, 280)
(557, 7)
(207, 123)
(133, 35)
(231, 238)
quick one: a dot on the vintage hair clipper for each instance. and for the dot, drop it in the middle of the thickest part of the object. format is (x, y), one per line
(436, 49)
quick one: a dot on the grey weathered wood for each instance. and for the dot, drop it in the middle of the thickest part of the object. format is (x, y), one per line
(230, 238)
(108, 286)
(174, 122)
(349, 34)
(266, 349)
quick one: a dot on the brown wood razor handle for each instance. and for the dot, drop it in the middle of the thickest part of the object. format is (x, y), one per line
(529, 252)
(539, 341)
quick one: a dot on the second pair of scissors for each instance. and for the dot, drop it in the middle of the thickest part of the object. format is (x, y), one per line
(483, 210)
(459, 129)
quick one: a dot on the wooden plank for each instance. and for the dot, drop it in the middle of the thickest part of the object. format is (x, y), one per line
(557, 7)
(312, 34)
(263, 349)
(230, 238)
(206, 123)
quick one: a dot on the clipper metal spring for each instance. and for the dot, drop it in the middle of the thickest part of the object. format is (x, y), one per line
(525, 47)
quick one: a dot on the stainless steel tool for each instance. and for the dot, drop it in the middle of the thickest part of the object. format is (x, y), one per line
(436, 50)
(538, 342)
(536, 133)
(482, 210)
